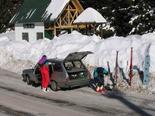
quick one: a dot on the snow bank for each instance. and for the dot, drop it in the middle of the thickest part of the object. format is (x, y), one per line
(103, 50)
(18, 55)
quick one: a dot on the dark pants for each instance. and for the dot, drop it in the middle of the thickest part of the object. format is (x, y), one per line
(94, 83)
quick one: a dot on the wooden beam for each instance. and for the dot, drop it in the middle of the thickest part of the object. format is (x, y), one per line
(78, 6)
(74, 16)
(67, 27)
(72, 10)
(68, 15)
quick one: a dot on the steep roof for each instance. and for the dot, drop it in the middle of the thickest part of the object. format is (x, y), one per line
(39, 11)
(90, 15)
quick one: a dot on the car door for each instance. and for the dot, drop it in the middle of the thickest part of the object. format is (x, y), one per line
(37, 74)
(58, 74)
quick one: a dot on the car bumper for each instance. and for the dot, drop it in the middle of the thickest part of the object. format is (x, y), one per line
(76, 83)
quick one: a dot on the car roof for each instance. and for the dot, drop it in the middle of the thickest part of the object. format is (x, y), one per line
(55, 60)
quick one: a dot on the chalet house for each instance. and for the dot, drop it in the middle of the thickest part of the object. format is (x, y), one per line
(37, 19)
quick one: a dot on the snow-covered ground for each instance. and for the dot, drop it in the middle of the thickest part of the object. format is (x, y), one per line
(19, 99)
(18, 55)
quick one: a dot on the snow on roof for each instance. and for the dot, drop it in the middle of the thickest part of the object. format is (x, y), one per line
(54, 9)
(39, 11)
(90, 15)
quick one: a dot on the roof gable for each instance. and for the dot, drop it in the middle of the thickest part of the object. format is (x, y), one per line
(39, 11)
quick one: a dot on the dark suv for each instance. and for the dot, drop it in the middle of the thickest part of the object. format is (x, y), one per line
(64, 73)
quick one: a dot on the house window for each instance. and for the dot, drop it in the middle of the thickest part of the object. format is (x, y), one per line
(25, 36)
(28, 25)
(39, 35)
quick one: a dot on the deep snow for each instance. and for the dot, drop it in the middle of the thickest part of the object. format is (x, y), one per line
(18, 55)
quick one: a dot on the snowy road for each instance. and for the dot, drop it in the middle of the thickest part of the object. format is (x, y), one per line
(19, 99)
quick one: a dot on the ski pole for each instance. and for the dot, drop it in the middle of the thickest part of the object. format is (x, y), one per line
(111, 78)
(116, 66)
(108, 66)
(131, 67)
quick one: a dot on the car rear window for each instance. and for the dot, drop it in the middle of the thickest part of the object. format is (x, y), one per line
(73, 64)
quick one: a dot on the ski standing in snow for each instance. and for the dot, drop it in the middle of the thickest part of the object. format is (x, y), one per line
(131, 67)
(146, 66)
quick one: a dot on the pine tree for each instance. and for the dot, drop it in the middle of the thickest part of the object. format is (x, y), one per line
(144, 20)
(127, 16)
(8, 9)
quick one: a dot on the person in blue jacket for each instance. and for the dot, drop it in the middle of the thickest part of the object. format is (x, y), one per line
(97, 83)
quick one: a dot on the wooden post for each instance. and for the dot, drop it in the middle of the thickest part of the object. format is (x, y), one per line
(55, 31)
(94, 28)
(78, 27)
(71, 29)
(89, 28)
(86, 30)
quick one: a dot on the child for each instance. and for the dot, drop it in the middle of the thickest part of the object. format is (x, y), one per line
(98, 82)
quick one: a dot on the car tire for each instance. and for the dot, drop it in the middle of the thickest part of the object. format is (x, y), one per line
(54, 86)
(28, 80)
(24, 78)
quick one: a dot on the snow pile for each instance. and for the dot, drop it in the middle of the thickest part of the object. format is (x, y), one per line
(18, 55)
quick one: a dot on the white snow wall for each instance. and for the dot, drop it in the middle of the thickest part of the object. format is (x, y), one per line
(60, 47)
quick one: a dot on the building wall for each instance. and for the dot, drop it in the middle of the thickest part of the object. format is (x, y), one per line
(32, 32)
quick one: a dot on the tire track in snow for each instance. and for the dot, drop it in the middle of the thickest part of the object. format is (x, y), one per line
(68, 104)
(12, 112)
